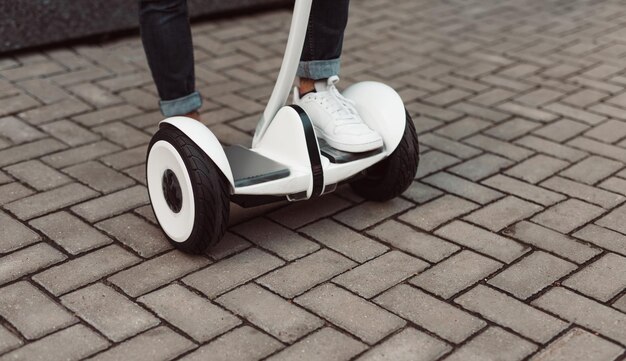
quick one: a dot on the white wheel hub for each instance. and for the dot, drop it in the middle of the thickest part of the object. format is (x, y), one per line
(164, 159)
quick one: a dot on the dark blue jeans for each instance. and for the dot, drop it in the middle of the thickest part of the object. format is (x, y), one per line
(166, 38)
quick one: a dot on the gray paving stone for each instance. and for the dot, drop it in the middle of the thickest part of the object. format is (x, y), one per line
(524, 190)
(144, 238)
(61, 109)
(229, 245)
(532, 274)
(420, 244)
(575, 113)
(12, 192)
(85, 269)
(551, 148)
(494, 344)
(112, 204)
(122, 134)
(568, 215)
(14, 235)
(537, 168)
(509, 312)
(584, 192)
(430, 313)
(274, 315)
(370, 213)
(94, 95)
(603, 237)
(37, 175)
(613, 220)
(434, 161)
(106, 115)
(463, 188)
(232, 272)
(4, 178)
(278, 239)
(561, 130)
(69, 232)
(463, 128)
(499, 147)
(89, 73)
(32, 70)
(584, 97)
(410, 344)
(16, 104)
(44, 90)
(579, 345)
(615, 185)
(496, 246)
(585, 312)
(437, 212)
(526, 112)
(592, 169)
(69, 132)
(8, 341)
(325, 344)
(379, 274)
(45, 202)
(305, 273)
(115, 316)
(539, 97)
(73, 343)
(365, 320)
(421, 193)
(244, 343)
(157, 344)
(189, 312)
(298, 214)
(602, 279)
(31, 311)
(29, 150)
(99, 177)
(608, 132)
(503, 213)
(512, 129)
(456, 273)
(620, 304)
(552, 241)
(156, 272)
(481, 167)
(17, 131)
(344, 240)
(80, 154)
(599, 148)
(28, 260)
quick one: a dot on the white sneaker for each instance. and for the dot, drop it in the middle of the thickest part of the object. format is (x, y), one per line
(336, 120)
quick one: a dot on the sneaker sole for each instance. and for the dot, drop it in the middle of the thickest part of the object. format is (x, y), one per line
(350, 148)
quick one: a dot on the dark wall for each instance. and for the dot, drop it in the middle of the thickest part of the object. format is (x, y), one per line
(28, 23)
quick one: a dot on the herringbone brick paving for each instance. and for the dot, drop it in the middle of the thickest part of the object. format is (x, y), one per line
(510, 245)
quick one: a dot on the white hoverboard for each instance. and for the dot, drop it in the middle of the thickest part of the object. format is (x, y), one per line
(192, 179)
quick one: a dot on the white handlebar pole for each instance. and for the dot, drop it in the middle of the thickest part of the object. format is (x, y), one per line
(289, 67)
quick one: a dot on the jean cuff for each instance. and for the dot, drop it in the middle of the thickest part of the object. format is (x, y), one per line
(319, 69)
(181, 106)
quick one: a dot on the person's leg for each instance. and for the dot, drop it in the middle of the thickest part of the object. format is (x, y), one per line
(166, 37)
(324, 40)
(334, 117)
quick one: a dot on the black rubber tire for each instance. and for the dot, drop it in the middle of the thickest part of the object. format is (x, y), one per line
(393, 175)
(210, 189)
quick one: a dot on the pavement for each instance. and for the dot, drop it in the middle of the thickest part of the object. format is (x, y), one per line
(509, 245)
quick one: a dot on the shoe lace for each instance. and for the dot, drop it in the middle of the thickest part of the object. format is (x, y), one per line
(339, 106)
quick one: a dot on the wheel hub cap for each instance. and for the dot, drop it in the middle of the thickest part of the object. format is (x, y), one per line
(171, 191)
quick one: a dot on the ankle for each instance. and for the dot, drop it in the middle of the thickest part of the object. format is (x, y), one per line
(306, 86)
(193, 115)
